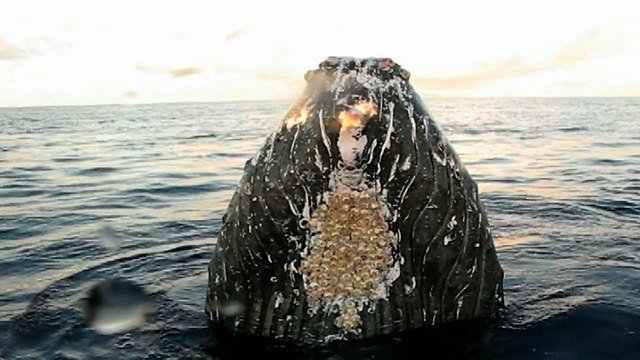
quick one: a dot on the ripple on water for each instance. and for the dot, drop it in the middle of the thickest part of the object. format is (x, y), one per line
(95, 171)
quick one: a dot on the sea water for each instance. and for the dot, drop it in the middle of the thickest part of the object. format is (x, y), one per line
(136, 194)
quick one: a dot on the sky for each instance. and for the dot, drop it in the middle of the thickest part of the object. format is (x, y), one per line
(84, 52)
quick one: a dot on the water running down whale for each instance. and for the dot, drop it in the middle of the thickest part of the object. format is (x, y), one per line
(355, 219)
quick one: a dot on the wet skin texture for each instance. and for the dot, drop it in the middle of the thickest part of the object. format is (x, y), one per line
(425, 252)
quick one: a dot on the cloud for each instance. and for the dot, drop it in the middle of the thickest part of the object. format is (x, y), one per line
(176, 73)
(184, 71)
(233, 35)
(10, 52)
(579, 49)
(130, 94)
(273, 76)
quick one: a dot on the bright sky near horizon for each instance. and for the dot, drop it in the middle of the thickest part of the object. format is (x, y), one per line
(83, 52)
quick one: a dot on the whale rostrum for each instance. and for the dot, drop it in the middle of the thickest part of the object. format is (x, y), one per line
(355, 219)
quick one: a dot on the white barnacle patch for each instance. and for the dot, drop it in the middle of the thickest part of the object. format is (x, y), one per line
(279, 300)
(334, 337)
(408, 289)
(452, 163)
(374, 142)
(256, 157)
(440, 160)
(459, 307)
(224, 271)
(454, 167)
(474, 267)
(323, 132)
(318, 160)
(452, 223)
(394, 168)
(406, 164)
(292, 271)
(390, 129)
(350, 146)
(348, 264)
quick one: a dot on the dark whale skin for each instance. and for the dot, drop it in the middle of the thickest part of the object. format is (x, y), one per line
(355, 219)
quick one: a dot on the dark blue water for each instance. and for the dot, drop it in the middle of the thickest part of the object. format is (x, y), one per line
(560, 179)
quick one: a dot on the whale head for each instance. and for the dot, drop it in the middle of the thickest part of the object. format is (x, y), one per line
(356, 218)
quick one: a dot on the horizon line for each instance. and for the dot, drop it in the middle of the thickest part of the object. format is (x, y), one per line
(293, 100)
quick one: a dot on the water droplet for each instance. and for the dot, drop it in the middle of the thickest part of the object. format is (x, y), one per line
(274, 279)
(110, 238)
(115, 306)
(230, 308)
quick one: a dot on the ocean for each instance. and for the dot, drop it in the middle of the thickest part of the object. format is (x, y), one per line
(137, 193)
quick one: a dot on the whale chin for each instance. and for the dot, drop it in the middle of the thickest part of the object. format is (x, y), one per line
(355, 219)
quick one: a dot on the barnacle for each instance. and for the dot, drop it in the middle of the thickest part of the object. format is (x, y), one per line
(349, 253)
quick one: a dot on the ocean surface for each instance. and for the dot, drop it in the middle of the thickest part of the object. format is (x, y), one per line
(137, 193)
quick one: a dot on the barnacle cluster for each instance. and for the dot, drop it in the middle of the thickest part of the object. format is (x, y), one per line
(349, 254)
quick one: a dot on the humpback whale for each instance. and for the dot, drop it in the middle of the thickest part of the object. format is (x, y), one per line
(355, 219)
